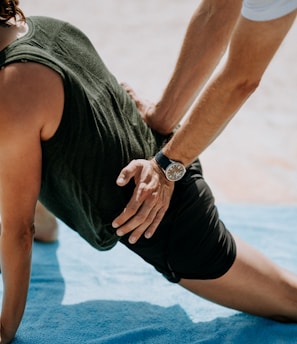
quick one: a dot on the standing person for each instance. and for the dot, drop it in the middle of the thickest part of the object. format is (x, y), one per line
(67, 130)
(254, 30)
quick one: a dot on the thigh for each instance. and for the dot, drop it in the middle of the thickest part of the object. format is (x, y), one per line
(191, 241)
(253, 284)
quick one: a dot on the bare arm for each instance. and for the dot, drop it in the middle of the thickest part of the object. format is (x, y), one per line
(206, 39)
(252, 47)
(253, 44)
(204, 44)
(25, 90)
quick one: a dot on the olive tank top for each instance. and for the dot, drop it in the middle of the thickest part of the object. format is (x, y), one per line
(100, 132)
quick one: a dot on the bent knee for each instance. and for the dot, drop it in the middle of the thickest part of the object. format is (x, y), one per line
(287, 298)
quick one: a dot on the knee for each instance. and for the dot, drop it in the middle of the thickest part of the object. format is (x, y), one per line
(47, 233)
(288, 299)
(46, 226)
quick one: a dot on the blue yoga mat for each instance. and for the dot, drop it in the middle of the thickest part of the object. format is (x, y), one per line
(79, 295)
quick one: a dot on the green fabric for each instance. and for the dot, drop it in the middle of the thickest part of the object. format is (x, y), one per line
(100, 132)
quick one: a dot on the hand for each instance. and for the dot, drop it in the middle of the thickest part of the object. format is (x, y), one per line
(146, 108)
(4, 340)
(149, 202)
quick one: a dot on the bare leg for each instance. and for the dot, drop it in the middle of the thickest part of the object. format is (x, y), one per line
(46, 228)
(253, 285)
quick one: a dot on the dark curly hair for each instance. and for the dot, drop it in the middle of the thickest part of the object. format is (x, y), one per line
(10, 9)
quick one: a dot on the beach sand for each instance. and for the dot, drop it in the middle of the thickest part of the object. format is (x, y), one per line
(254, 160)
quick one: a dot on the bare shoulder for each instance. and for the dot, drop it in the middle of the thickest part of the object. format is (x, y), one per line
(31, 93)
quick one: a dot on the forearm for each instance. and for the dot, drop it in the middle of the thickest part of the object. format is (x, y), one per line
(205, 42)
(252, 47)
(15, 265)
(216, 107)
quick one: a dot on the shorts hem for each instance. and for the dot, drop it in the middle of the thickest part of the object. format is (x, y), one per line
(175, 277)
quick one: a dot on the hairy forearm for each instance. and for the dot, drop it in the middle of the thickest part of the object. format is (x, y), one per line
(15, 265)
(214, 110)
(205, 42)
(252, 47)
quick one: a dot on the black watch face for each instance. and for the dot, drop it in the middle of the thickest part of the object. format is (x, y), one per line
(175, 171)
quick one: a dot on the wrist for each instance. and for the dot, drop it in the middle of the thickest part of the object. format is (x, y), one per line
(4, 339)
(162, 119)
(173, 170)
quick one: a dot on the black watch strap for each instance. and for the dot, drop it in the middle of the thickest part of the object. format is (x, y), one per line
(162, 160)
(173, 170)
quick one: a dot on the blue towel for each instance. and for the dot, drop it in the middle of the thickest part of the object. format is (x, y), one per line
(79, 295)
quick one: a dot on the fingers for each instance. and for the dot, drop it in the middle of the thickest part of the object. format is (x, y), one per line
(145, 221)
(144, 199)
(144, 106)
(148, 203)
(133, 207)
(131, 93)
(151, 221)
(147, 182)
(126, 174)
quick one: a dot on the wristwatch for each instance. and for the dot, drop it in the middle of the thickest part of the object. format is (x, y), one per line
(173, 170)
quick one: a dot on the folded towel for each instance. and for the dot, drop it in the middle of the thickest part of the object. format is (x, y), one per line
(80, 295)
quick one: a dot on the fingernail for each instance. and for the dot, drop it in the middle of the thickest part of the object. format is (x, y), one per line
(132, 240)
(121, 180)
(148, 235)
(115, 225)
(120, 233)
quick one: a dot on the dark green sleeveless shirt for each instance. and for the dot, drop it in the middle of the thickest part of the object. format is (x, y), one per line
(100, 131)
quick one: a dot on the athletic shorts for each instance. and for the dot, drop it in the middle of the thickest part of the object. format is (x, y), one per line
(191, 242)
(262, 10)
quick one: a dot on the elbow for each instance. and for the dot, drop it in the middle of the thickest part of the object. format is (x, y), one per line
(26, 237)
(239, 86)
(239, 80)
(24, 240)
(21, 238)
(246, 87)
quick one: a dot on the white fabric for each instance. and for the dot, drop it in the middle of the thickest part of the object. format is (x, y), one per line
(262, 10)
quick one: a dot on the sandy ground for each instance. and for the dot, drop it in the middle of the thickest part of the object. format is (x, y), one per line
(254, 160)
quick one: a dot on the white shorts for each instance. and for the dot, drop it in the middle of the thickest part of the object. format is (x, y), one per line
(262, 10)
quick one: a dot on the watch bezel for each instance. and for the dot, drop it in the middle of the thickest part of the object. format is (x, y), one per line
(166, 165)
(168, 171)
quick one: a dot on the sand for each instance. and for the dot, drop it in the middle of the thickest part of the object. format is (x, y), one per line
(254, 160)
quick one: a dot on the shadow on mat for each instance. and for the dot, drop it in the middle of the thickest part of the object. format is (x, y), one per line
(46, 320)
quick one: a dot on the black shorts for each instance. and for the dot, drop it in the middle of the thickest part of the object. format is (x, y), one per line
(191, 242)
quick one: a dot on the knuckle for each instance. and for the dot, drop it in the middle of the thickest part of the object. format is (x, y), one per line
(159, 217)
(141, 217)
(143, 188)
(154, 198)
(150, 218)
(130, 210)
